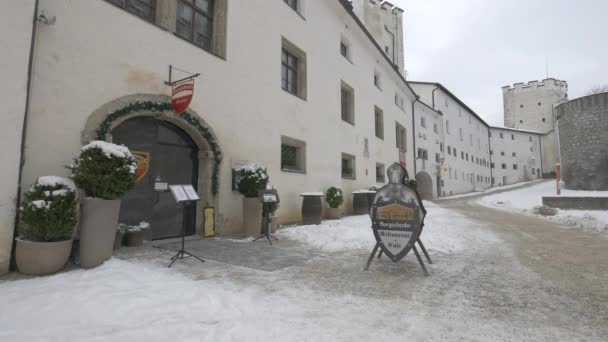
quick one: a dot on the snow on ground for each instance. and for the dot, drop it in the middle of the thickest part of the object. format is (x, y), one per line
(443, 232)
(524, 201)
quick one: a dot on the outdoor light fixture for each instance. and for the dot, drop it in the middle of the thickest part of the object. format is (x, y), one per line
(45, 19)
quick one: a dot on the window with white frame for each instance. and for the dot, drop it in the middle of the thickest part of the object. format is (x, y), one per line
(345, 49)
(423, 154)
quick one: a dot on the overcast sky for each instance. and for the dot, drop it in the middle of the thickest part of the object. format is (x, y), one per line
(474, 47)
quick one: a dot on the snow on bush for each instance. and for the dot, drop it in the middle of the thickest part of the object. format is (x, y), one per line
(140, 227)
(104, 170)
(48, 212)
(253, 178)
(334, 197)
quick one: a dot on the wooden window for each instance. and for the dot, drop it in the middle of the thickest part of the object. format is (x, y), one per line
(379, 122)
(145, 9)
(348, 166)
(293, 4)
(289, 72)
(195, 21)
(401, 136)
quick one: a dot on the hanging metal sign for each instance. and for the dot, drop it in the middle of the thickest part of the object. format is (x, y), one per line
(182, 95)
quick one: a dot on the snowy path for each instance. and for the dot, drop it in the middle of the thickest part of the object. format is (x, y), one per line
(496, 276)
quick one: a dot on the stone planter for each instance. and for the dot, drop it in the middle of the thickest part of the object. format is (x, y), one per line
(312, 209)
(118, 239)
(333, 213)
(252, 216)
(39, 258)
(97, 230)
(134, 239)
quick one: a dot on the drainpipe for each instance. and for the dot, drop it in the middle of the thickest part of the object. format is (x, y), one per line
(414, 130)
(433, 95)
(24, 129)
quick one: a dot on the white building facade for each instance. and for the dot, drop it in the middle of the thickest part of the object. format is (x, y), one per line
(269, 87)
(465, 144)
(516, 155)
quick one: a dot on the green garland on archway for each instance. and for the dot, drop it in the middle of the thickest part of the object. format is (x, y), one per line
(104, 129)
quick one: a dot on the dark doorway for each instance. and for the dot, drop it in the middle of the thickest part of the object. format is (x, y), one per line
(171, 156)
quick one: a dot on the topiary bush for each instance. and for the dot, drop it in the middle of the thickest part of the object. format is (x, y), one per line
(334, 197)
(252, 178)
(48, 212)
(104, 170)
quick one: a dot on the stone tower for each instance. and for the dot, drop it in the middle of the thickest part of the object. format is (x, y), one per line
(530, 106)
(384, 21)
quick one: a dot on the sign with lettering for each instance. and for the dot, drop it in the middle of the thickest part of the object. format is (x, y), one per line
(182, 95)
(397, 215)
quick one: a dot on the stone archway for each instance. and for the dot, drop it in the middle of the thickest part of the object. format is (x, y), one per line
(102, 121)
(424, 184)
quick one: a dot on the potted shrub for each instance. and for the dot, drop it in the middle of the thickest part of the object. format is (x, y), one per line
(135, 234)
(47, 221)
(334, 198)
(105, 172)
(252, 178)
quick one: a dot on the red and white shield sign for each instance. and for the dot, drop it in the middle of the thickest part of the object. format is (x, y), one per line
(182, 95)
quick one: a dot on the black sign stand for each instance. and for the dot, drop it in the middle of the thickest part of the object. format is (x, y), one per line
(185, 196)
(268, 198)
(426, 254)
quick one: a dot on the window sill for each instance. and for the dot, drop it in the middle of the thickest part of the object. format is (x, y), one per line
(348, 122)
(294, 171)
(294, 95)
(198, 46)
(349, 178)
(377, 137)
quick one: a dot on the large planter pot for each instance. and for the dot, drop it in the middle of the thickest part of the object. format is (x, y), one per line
(252, 216)
(135, 239)
(333, 213)
(312, 209)
(97, 230)
(39, 258)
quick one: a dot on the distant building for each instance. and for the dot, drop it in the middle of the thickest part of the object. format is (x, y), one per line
(531, 106)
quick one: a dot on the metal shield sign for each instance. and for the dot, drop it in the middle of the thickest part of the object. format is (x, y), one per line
(182, 95)
(143, 164)
(396, 226)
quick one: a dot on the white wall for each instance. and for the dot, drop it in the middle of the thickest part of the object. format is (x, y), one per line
(85, 60)
(459, 175)
(525, 145)
(15, 39)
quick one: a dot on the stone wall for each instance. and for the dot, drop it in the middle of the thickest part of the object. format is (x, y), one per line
(583, 124)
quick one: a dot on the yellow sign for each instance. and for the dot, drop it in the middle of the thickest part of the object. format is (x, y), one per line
(395, 212)
(209, 222)
(143, 164)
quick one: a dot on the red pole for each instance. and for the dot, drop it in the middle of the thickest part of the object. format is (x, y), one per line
(558, 173)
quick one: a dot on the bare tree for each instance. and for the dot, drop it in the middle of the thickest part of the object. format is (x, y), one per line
(598, 88)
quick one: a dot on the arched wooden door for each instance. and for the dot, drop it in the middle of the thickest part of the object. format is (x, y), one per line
(172, 157)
